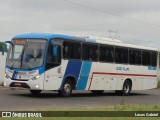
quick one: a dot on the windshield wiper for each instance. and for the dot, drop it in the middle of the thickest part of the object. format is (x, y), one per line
(28, 66)
(16, 61)
(21, 63)
(20, 59)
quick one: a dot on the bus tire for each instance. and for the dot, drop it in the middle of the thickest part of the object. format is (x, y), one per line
(35, 92)
(66, 90)
(126, 88)
(97, 92)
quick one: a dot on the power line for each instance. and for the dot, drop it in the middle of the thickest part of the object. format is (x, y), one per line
(117, 15)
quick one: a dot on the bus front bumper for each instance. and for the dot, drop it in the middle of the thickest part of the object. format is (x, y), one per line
(29, 84)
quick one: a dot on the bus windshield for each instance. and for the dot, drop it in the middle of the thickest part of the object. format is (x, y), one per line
(26, 53)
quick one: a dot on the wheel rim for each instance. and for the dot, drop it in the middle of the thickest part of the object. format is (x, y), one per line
(67, 88)
(126, 88)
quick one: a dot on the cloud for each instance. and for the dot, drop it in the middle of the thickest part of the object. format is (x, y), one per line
(58, 16)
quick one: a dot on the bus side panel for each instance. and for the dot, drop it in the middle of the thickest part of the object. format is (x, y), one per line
(137, 83)
(53, 77)
(100, 78)
(149, 83)
(84, 76)
(108, 76)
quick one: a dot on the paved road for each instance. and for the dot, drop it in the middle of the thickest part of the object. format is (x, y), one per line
(22, 100)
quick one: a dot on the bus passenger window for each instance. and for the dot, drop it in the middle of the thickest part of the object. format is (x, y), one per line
(146, 60)
(93, 53)
(154, 59)
(72, 50)
(134, 57)
(90, 52)
(106, 53)
(121, 55)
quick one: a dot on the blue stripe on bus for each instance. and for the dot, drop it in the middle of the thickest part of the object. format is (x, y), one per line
(14, 76)
(152, 68)
(82, 83)
(73, 69)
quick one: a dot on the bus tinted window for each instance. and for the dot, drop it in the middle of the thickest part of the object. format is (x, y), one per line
(89, 52)
(72, 50)
(134, 57)
(121, 55)
(146, 58)
(106, 53)
(153, 58)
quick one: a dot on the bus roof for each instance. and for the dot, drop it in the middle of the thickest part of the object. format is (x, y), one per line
(92, 39)
(42, 36)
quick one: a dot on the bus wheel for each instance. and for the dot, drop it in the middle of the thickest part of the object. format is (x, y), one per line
(126, 88)
(97, 92)
(35, 92)
(66, 90)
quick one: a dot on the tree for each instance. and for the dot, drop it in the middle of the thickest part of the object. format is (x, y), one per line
(159, 57)
(1, 43)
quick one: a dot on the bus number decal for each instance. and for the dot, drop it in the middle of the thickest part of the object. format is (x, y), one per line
(122, 68)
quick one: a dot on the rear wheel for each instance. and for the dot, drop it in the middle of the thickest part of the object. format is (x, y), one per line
(66, 90)
(126, 88)
(35, 92)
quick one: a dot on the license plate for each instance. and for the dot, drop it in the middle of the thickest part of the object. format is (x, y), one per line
(17, 84)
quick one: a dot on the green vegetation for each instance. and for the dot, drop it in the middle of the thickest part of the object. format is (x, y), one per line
(1, 43)
(121, 107)
(83, 118)
(158, 84)
(1, 46)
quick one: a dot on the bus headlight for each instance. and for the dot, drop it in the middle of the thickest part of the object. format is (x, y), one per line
(4, 84)
(6, 75)
(36, 77)
(36, 86)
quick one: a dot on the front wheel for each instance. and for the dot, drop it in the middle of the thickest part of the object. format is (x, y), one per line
(66, 90)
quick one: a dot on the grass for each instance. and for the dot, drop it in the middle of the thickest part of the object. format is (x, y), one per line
(83, 118)
(122, 107)
(158, 85)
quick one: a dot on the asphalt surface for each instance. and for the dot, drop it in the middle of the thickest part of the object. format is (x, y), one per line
(23, 100)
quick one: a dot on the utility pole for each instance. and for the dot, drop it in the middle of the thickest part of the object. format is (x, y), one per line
(113, 34)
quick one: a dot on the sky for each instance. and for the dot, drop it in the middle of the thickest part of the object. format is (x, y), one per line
(132, 21)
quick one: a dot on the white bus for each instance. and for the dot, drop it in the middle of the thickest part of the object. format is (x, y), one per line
(65, 63)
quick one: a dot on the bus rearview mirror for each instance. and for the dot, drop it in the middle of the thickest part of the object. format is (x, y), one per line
(4, 46)
(54, 51)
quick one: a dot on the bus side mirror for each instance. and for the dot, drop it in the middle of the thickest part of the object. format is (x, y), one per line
(54, 51)
(4, 46)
